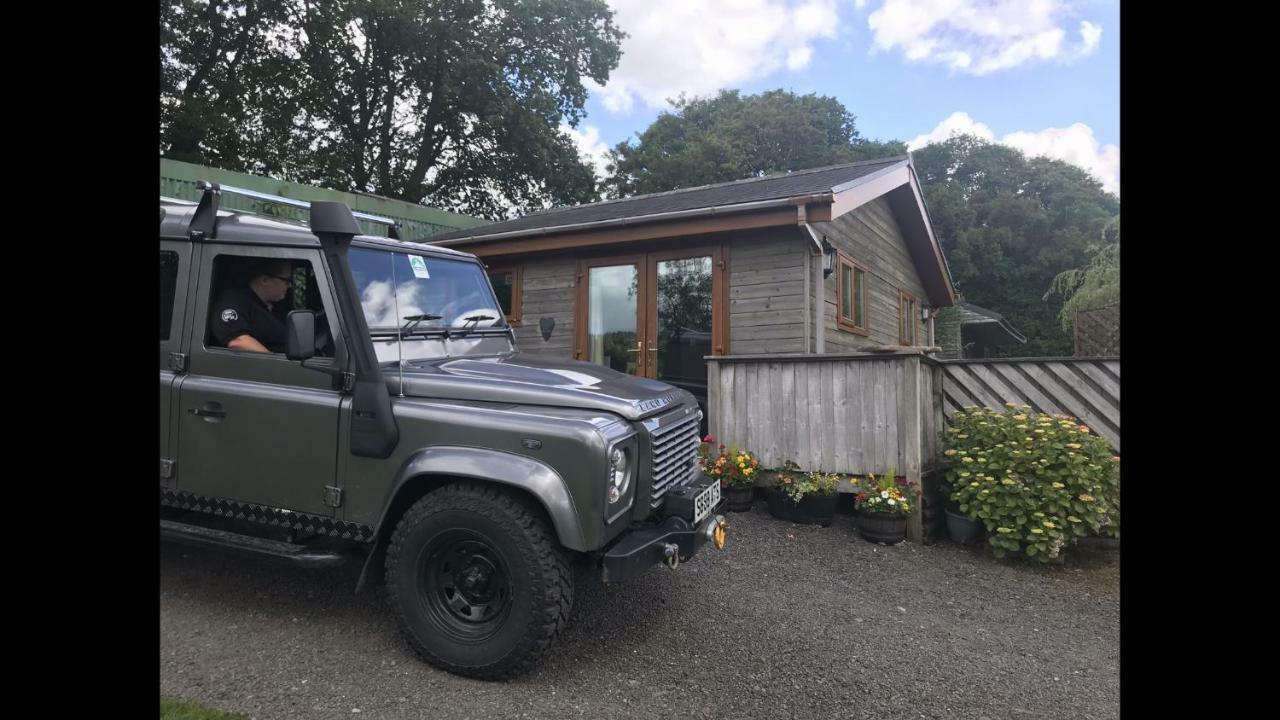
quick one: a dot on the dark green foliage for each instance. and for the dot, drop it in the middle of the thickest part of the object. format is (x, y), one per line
(731, 137)
(456, 103)
(1009, 225)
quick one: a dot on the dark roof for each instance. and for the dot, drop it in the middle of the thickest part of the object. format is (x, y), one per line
(770, 187)
(973, 315)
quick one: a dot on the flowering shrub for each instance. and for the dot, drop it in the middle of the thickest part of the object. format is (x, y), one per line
(887, 494)
(796, 486)
(732, 467)
(1038, 482)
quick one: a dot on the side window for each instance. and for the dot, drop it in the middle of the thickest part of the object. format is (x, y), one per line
(906, 318)
(168, 287)
(851, 296)
(507, 286)
(251, 297)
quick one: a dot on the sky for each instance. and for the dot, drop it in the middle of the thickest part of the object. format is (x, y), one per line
(1039, 75)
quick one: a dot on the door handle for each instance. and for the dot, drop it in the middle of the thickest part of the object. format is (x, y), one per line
(639, 346)
(212, 410)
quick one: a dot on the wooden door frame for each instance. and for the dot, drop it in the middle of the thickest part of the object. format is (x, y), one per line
(719, 291)
(644, 259)
(581, 298)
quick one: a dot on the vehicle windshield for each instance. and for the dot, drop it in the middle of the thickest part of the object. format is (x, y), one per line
(422, 293)
(411, 301)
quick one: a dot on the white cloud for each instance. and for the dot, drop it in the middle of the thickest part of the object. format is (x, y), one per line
(980, 37)
(590, 147)
(1075, 144)
(700, 46)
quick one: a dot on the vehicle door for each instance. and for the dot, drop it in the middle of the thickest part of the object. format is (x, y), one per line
(256, 427)
(175, 267)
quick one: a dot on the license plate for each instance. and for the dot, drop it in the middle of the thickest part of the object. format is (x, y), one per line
(706, 500)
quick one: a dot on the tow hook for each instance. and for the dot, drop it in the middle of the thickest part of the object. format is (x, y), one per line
(671, 554)
(716, 531)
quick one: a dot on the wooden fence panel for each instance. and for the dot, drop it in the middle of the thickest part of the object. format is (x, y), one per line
(1085, 388)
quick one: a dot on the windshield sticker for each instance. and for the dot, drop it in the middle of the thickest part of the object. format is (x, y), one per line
(419, 266)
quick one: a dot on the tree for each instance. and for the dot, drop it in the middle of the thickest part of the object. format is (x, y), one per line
(1094, 285)
(731, 137)
(456, 103)
(1009, 225)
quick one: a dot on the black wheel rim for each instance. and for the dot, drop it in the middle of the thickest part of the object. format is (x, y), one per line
(465, 585)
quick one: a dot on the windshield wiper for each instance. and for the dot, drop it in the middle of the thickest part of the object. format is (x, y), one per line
(412, 322)
(462, 331)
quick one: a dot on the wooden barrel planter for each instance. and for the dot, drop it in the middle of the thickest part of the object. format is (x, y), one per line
(811, 510)
(739, 499)
(886, 528)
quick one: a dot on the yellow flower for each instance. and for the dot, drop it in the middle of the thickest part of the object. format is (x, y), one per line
(967, 459)
(1039, 431)
(949, 453)
(906, 506)
(746, 471)
(1050, 525)
(1087, 498)
(1074, 446)
(1004, 530)
(973, 484)
(1059, 485)
(1019, 416)
(962, 435)
(1115, 458)
(1008, 481)
(1037, 531)
(1038, 514)
(1073, 518)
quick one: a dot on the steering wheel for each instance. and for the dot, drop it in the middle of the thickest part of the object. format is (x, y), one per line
(324, 339)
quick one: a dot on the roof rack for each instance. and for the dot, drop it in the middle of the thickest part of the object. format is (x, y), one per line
(212, 190)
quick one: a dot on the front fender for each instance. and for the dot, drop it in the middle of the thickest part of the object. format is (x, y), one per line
(504, 468)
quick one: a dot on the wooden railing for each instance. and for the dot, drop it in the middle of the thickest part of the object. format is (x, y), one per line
(856, 414)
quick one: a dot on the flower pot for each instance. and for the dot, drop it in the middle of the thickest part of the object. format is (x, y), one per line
(811, 510)
(887, 528)
(739, 499)
(962, 529)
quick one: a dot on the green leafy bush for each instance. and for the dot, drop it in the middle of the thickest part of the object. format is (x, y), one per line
(1037, 482)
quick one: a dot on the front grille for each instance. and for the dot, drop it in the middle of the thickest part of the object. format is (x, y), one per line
(675, 456)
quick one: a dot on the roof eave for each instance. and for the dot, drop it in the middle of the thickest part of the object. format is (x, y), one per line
(713, 210)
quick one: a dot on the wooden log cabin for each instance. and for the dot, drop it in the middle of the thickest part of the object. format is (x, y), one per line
(835, 259)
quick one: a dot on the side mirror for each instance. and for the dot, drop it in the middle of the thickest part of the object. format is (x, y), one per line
(300, 343)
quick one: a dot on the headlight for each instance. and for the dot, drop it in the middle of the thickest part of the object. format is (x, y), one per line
(619, 474)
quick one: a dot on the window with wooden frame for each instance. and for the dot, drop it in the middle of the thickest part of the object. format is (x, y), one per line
(508, 286)
(907, 308)
(851, 296)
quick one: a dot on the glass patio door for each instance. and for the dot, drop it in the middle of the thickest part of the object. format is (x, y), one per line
(615, 314)
(653, 315)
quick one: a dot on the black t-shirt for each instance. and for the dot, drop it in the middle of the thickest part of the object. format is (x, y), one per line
(239, 311)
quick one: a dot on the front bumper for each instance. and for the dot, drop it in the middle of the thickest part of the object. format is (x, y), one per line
(674, 540)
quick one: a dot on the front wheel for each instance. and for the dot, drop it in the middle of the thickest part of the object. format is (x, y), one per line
(477, 582)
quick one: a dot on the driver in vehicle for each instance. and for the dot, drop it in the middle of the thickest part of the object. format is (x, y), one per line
(242, 317)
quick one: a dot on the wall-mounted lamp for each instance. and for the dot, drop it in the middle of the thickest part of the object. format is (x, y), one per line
(828, 258)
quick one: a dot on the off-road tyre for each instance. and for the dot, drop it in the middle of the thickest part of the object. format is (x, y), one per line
(495, 534)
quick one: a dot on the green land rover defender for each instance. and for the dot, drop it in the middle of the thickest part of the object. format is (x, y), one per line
(397, 422)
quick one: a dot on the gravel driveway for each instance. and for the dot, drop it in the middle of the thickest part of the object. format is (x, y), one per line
(790, 621)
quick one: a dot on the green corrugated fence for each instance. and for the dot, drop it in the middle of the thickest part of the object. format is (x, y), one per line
(417, 222)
